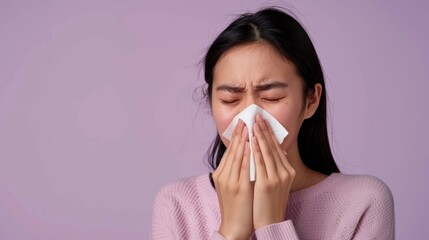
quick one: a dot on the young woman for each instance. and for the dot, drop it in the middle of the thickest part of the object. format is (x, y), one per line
(266, 58)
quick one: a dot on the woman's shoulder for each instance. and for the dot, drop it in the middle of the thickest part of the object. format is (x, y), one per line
(179, 187)
(345, 188)
(361, 188)
(362, 182)
(184, 189)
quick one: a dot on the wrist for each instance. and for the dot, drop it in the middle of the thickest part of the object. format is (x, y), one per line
(231, 233)
(267, 223)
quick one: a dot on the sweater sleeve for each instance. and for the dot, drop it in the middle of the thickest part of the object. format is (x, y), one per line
(170, 222)
(282, 230)
(161, 221)
(377, 221)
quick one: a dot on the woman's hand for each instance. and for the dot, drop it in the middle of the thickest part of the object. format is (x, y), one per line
(233, 187)
(274, 176)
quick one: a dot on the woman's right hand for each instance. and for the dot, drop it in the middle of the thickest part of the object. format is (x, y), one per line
(233, 188)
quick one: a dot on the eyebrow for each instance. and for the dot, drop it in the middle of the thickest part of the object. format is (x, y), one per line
(270, 85)
(259, 87)
(229, 88)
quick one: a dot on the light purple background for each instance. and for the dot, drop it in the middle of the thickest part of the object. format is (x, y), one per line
(96, 108)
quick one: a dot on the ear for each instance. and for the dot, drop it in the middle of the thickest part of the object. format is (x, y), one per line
(312, 101)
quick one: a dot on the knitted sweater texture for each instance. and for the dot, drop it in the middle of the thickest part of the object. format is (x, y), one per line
(340, 207)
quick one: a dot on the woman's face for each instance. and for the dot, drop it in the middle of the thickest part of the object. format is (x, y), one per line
(256, 74)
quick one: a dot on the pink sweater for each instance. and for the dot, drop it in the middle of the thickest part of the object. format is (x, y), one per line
(340, 207)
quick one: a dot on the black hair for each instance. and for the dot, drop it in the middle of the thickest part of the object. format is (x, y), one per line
(286, 35)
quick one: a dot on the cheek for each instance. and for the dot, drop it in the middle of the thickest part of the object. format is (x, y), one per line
(283, 113)
(289, 118)
(222, 118)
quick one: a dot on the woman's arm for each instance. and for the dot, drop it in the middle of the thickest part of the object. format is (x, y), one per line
(161, 222)
(171, 220)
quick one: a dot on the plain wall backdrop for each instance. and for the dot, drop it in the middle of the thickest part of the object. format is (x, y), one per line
(99, 107)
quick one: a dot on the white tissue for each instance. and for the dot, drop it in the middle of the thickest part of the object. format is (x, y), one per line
(248, 117)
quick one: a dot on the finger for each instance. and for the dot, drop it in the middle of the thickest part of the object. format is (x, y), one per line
(261, 171)
(226, 159)
(273, 143)
(281, 153)
(245, 166)
(266, 132)
(219, 169)
(234, 174)
(277, 147)
(233, 148)
(267, 153)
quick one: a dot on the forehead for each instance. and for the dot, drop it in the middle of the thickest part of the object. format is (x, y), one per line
(253, 64)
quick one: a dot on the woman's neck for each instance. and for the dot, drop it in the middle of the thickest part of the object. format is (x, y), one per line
(305, 177)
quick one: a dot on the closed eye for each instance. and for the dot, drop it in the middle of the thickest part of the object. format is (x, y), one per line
(229, 101)
(273, 99)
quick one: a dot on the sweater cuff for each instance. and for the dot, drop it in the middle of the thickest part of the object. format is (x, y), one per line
(282, 230)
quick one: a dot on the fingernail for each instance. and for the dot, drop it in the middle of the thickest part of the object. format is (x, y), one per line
(254, 141)
(267, 123)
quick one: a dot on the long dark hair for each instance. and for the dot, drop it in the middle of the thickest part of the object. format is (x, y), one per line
(288, 37)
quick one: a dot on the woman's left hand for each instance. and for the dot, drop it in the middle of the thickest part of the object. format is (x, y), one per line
(274, 176)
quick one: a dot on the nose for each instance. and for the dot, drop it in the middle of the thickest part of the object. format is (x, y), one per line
(249, 100)
(245, 103)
